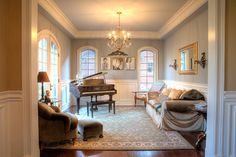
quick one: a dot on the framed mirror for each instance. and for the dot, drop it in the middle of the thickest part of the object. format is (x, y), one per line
(186, 59)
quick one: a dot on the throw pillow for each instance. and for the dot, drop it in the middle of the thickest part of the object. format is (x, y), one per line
(181, 96)
(166, 91)
(175, 93)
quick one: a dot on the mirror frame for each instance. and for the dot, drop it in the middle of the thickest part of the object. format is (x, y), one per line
(195, 67)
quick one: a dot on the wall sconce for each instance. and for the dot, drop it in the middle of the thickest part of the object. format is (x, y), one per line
(203, 60)
(174, 65)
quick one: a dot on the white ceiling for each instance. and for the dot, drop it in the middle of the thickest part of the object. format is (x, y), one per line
(137, 15)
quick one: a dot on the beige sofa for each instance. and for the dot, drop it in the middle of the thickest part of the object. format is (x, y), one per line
(177, 114)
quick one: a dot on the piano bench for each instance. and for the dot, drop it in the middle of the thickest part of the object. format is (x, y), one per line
(90, 128)
(102, 102)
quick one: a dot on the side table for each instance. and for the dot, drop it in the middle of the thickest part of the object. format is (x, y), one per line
(140, 95)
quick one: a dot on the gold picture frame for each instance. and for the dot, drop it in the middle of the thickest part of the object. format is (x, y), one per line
(186, 59)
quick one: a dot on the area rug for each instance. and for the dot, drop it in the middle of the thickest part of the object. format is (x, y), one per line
(129, 129)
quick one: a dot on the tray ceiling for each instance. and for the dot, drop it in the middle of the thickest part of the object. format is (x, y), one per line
(138, 15)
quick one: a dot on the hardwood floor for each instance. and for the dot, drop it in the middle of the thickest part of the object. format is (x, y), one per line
(191, 137)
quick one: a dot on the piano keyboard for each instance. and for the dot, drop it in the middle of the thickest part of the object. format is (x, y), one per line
(98, 92)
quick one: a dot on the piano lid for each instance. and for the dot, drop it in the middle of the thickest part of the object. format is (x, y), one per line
(95, 75)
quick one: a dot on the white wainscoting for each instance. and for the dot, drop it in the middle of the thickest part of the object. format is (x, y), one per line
(203, 88)
(11, 122)
(230, 124)
(124, 89)
(124, 94)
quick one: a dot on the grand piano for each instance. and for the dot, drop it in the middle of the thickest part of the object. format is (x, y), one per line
(92, 86)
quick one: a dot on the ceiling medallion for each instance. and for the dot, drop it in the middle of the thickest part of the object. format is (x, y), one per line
(118, 39)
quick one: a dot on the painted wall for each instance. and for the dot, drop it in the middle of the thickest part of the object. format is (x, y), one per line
(10, 48)
(3, 53)
(104, 50)
(14, 45)
(64, 41)
(11, 109)
(194, 29)
(230, 46)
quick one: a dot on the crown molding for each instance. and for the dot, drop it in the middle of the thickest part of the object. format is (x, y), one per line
(182, 14)
(51, 7)
(104, 34)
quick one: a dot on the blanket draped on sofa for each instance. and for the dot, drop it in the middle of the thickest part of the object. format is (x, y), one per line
(180, 115)
(176, 115)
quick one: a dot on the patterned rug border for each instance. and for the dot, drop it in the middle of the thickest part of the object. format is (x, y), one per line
(92, 144)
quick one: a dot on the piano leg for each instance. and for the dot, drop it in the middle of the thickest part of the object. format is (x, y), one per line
(95, 108)
(110, 97)
(78, 105)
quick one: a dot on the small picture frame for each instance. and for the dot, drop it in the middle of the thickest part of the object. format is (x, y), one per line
(105, 63)
(129, 63)
(117, 63)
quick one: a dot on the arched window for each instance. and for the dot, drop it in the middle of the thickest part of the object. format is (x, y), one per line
(87, 61)
(48, 60)
(147, 68)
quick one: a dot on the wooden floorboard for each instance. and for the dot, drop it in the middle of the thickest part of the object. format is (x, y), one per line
(190, 137)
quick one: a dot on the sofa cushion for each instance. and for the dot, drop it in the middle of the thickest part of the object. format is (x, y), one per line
(192, 94)
(45, 111)
(175, 94)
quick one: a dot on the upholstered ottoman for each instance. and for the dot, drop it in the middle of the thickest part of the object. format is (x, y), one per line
(90, 128)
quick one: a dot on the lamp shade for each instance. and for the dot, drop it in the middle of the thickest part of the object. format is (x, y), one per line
(43, 77)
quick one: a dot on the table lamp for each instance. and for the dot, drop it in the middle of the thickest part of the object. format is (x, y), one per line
(43, 77)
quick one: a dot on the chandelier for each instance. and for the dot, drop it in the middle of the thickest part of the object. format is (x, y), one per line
(119, 39)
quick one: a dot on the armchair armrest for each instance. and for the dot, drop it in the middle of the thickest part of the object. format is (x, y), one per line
(56, 109)
(74, 121)
(64, 118)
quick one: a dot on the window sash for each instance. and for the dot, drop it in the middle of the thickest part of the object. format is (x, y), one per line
(87, 64)
(146, 69)
(49, 61)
